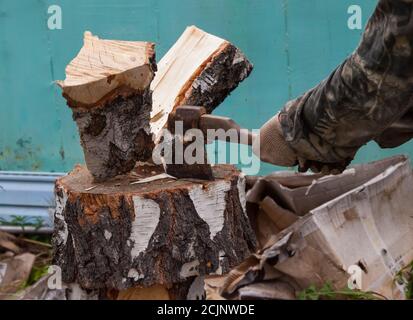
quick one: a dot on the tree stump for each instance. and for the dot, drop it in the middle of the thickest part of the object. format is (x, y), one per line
(130, 232)
(107, 86)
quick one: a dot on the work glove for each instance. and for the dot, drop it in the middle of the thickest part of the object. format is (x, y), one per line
(274, 149)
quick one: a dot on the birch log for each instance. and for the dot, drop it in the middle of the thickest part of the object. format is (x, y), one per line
(199, 70)
(107, 86)
(147, 229)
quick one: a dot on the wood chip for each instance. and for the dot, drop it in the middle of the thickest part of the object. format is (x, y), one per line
(91, 188)
(154, 178)
(15, 271)
(7, 241)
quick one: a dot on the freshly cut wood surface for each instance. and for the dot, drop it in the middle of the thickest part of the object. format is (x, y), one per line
(199, 69)
(120, 234)
(104, 66)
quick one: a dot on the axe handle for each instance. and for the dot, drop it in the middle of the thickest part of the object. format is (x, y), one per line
(208, 121)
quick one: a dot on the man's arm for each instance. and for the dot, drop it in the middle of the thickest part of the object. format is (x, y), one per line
(361, 99)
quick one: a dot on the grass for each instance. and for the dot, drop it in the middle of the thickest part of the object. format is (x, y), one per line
(405, 277)
(327, 292)
(36, 274)
(23, 221)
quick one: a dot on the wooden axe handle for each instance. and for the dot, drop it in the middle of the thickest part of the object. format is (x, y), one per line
(209, 121)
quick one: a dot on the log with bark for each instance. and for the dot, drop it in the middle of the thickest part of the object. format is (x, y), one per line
(107, 86)
(200, 70)
(147, 229)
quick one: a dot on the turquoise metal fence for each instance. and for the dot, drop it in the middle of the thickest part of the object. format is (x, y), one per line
(293, 44)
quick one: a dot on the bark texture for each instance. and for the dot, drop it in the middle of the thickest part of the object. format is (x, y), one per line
(116, 135)
(118, 235)
(218, 79)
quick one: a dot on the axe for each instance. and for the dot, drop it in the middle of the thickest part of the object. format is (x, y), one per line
(194, 117)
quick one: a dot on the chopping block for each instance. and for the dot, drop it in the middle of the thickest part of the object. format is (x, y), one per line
(148, 230)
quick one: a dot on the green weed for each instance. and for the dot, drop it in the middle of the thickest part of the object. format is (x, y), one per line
(327, 292)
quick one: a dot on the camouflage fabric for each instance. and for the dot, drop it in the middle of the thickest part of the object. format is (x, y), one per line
(368, 97)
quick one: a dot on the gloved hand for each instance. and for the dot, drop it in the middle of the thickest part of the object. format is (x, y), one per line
(323, 168)
(276, 150)
(272, 147)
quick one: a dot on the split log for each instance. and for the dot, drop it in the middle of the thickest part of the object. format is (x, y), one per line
(157, 232)
(200, 70)
(107, 86)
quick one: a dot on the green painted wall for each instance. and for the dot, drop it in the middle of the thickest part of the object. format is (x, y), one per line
(293, 44)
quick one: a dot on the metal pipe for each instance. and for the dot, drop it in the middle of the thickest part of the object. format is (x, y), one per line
(26, 230)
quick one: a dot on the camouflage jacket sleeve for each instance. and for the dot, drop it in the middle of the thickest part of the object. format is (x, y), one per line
(368, 97)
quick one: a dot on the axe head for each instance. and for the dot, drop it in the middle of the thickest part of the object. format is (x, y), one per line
(189, 117)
